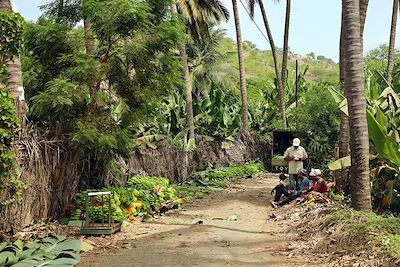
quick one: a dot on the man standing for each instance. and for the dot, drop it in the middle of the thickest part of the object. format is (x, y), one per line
(295, 154)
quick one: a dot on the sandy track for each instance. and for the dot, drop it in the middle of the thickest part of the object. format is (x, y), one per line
(199, 234)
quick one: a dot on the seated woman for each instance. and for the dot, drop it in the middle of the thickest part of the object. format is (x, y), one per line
(319, 184)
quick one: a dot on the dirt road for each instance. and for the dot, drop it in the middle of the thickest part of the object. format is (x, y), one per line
(226, 228)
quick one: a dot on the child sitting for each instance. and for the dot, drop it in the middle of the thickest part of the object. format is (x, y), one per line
(281, 188)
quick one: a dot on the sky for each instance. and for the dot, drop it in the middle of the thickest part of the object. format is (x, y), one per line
(315, 24)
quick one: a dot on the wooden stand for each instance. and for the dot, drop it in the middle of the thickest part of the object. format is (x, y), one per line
(103, 228)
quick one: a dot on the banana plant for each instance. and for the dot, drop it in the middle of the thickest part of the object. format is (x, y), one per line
(383, 117)
(50, 251)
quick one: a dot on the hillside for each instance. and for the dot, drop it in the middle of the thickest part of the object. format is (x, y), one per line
(259, 66)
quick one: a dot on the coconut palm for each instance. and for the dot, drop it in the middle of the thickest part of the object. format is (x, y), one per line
(286, 44)
(392, 41)
(344, 120)
(243, 89)
(204, 65)
(281, 88)
(355, 93)
(199, 15)
(15, 83)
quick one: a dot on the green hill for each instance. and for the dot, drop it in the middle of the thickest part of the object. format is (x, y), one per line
(259, 66)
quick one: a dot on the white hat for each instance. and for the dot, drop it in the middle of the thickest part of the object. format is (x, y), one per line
(315, 172)
(296, 142)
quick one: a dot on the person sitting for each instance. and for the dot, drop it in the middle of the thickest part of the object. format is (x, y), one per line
(281, 188)
(319, 184)
(304, 188)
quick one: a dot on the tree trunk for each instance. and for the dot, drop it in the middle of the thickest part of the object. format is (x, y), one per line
(188, 86)
(359, 142)
(363, 15)
(344, 119)
(281, 88)
(392, 42)
(5, 5)
(14, 72)
(91, 51)
(188, 92)
(243, 89)
(285, 54)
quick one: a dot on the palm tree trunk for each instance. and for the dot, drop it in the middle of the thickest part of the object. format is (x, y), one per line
(285, 49)
(281, 88)
(188, 87)
(5, 5)
(363, 15)
(392, 41)
(243, 89)
(15, 82)
(359, 142)
(188, 92)
(344, 119)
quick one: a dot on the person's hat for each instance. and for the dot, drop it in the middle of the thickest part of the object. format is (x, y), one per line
(302, 171)
(315, 172)
(296, 142)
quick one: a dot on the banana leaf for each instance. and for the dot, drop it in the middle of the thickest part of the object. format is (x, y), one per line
(384, 145)
(340, 164)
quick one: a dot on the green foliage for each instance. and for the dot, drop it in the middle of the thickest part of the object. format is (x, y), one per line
(61, 102)
(383, 109)
(120, 17)
(8, 124)
(49, 251)
(318, 116)
(102, 138)
(146, 182)
(11, 25)
(206, 181)
(235, 171)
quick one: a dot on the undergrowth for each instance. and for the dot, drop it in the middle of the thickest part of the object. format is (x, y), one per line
(206, 181)
(383, 231)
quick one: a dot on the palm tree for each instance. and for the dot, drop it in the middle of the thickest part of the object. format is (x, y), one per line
(286, 45)
(204, 59)
(354, 86)
(281, 88)
(392, 41)
(344, 119)
(198, 15)
(15, 83)
(243, 89)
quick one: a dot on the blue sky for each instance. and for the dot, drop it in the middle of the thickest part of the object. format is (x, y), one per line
(315, 24)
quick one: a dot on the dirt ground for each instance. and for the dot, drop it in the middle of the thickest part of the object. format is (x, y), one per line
(200, 234)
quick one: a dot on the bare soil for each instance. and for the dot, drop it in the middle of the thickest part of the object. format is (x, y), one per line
(200, 234)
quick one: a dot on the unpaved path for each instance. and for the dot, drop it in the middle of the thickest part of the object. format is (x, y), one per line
(199, 234)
